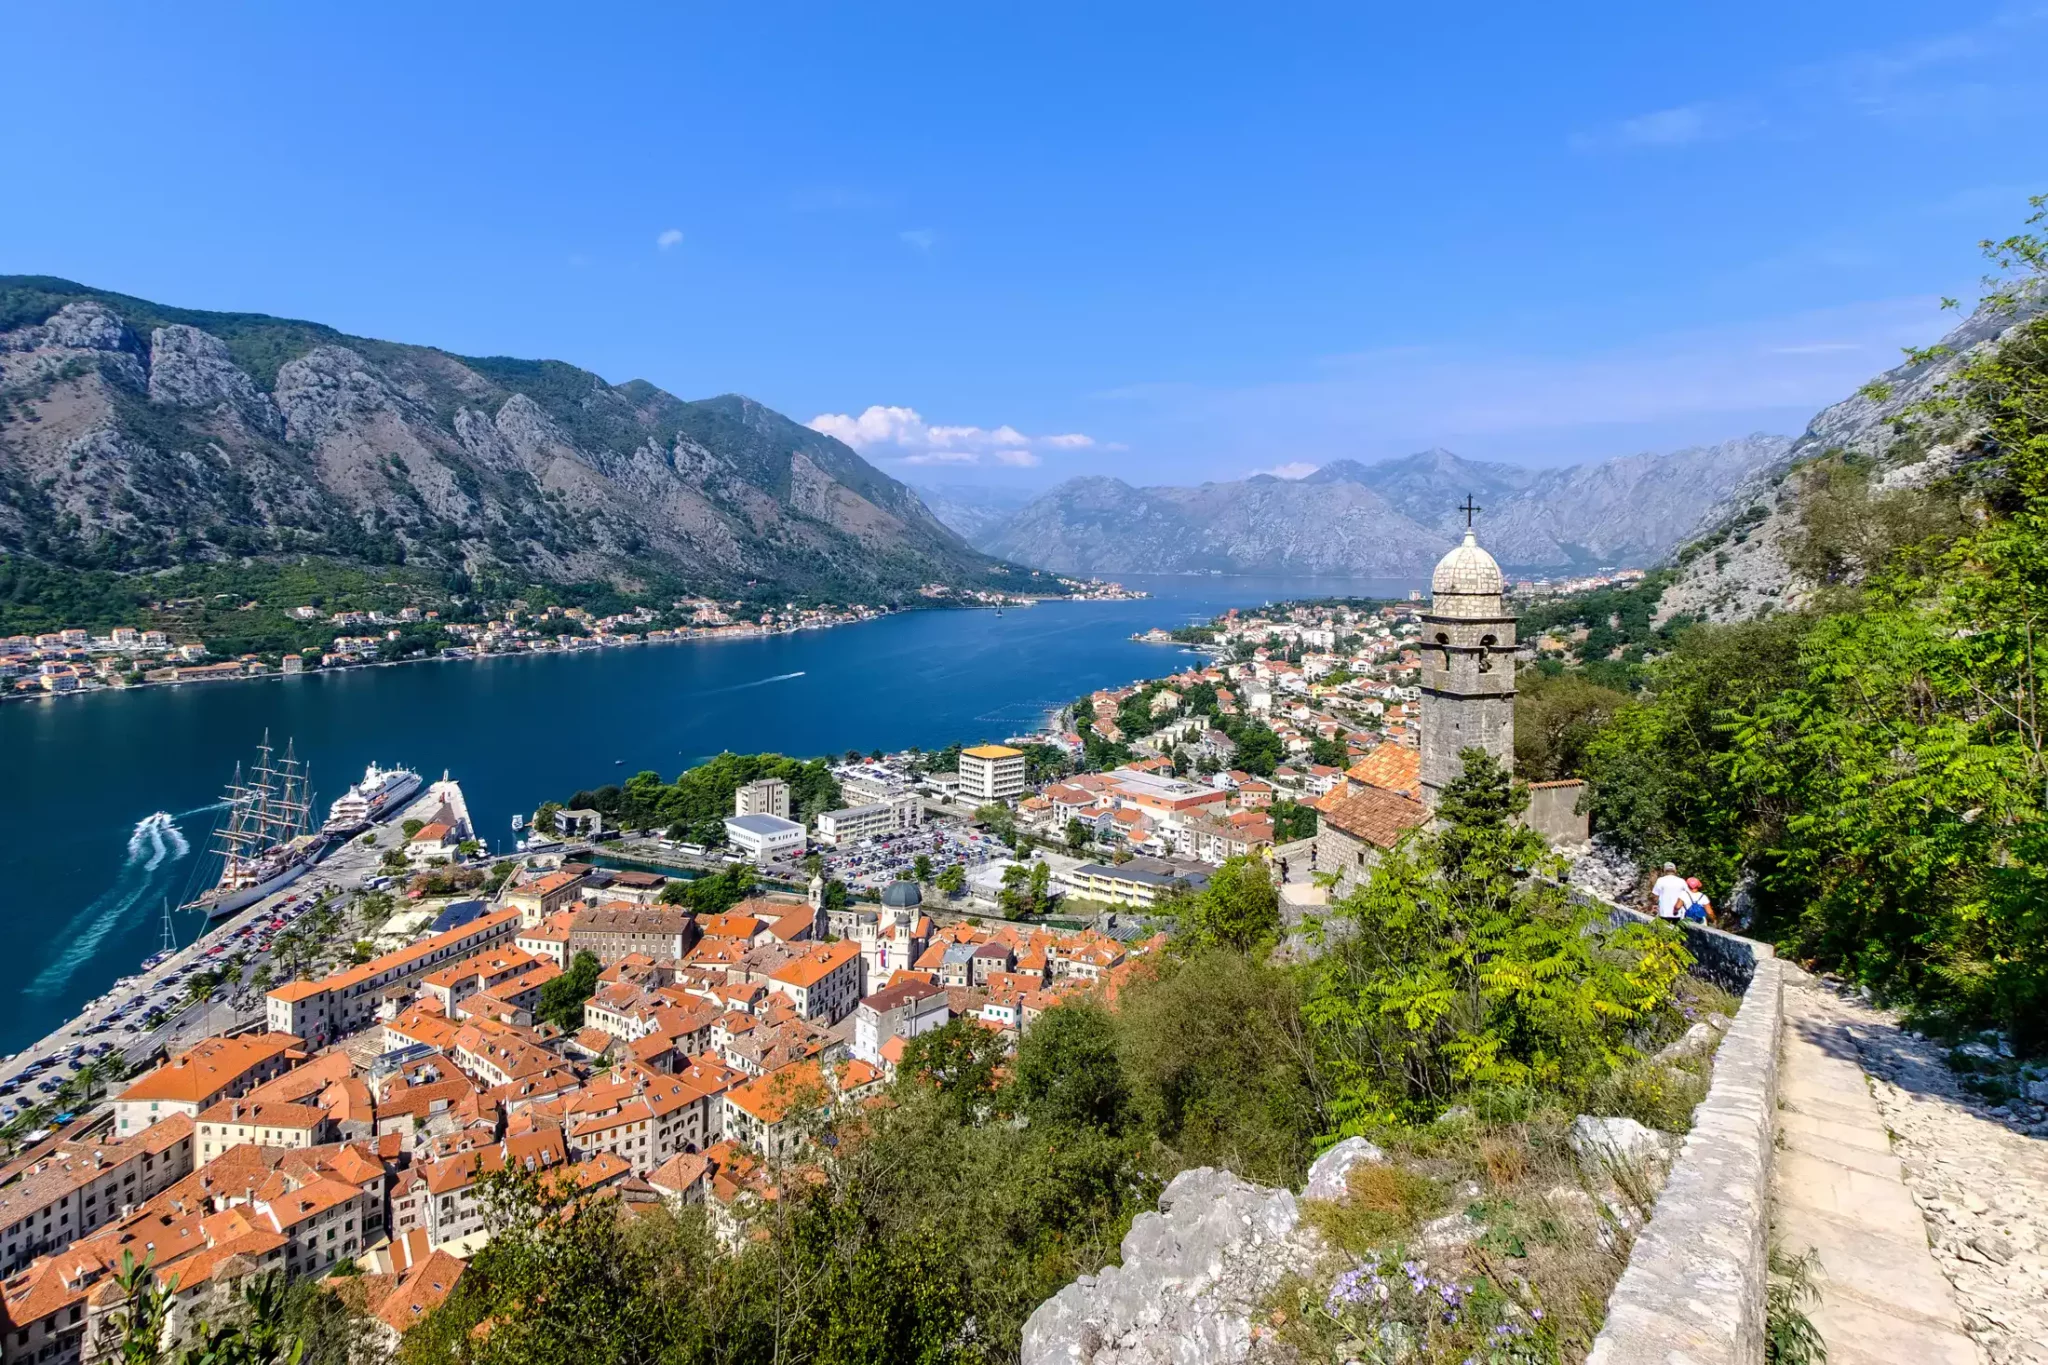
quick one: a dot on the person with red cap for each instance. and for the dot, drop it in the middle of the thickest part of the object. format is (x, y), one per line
(1697, 907)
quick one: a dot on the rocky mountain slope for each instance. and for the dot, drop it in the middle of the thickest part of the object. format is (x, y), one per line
(971, 509)
(135, 436)
(1738, 567)
(1390, 517)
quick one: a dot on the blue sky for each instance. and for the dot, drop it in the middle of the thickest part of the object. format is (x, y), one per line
(1012, 244)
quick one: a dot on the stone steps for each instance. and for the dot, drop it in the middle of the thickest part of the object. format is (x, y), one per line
(1838, 1190)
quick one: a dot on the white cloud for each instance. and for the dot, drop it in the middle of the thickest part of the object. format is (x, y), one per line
(669, 237)
(1679, 126)
(877, 426)
(1293, 469)
(924, 239)
(902, 433)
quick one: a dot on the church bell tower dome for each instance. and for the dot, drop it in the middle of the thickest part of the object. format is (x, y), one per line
(1467, 572)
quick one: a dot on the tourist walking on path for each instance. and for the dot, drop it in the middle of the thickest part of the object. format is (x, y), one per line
(1671, 894)
(1698, 908)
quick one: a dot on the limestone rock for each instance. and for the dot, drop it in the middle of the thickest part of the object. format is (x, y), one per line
(1451, 1230)
(1191, 1276)
(1697, 1039)
(1330, 1177)
(84, 326)
(189, 368)
(1617, 1141)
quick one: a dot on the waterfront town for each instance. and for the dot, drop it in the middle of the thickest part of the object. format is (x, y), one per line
(671, 1018)
(75, 660)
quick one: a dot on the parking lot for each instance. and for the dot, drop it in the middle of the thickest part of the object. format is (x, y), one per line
(874, 863)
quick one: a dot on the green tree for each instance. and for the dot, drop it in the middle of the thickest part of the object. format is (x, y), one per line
(1077, 835)
(1462, 962)
(1292, 820)
(953, 880)
(1068, 1071)
(1238, 910)
(921, 867)
(1220, 1064)
(999, 820)
(959, 1061)
(1258, 749)
(1557, 720)
(561, 1000)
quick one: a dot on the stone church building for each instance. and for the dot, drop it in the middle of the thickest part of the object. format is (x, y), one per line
(1468, 702)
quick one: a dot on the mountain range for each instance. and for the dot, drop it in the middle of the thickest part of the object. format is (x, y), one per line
(135, 436)
(1389, 517)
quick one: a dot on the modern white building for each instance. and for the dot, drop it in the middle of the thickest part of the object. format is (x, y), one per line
(897, 815)
(764, 838)
(991, 772)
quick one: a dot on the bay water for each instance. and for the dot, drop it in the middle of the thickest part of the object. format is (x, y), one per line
(107, 801)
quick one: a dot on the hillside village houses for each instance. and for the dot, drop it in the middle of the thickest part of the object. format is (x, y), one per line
(364, 1115)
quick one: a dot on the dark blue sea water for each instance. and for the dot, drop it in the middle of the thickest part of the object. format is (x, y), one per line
(84, 871)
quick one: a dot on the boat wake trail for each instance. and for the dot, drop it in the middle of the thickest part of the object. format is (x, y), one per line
(155, 841)
(758, 682)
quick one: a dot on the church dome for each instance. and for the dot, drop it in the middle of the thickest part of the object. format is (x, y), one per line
(902, 895)
(1467, 571)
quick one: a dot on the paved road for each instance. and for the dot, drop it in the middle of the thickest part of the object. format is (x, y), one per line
(106, 1023)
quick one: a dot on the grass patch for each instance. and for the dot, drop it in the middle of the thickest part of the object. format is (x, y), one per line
(1387, 1204)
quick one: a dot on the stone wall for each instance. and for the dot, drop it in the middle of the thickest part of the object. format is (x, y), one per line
(1727, 960)
(1695, 1284)
(1554, 812)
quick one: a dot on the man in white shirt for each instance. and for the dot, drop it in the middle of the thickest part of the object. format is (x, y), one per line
(1672, 894)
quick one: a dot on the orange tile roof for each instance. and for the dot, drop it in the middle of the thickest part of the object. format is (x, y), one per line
(420, 1292)
(210, 1067)
(1376, 816)
(815, 965)
(275, 1115)
(770, 1098)
(1390, 767)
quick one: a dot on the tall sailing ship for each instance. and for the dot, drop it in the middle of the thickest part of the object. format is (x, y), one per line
(266, 840)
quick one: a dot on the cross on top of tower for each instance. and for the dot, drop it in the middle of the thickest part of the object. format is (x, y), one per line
(1468, 507)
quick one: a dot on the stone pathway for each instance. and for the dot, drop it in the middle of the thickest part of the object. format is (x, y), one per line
(1839, 1190)
(1882, 1156)
(1978, 1177)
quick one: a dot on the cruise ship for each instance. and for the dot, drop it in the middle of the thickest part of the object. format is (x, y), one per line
(265, 842)
(380, 791)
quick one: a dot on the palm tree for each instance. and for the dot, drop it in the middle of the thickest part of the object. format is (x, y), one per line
(199, 988)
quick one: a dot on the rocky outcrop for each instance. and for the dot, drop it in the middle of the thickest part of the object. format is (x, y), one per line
(189, 368)
(1192, 1275)
(227, 435)
(1739, 566)
(1392, 517)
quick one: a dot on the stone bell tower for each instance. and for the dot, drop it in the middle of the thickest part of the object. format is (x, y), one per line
(1468, 665)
